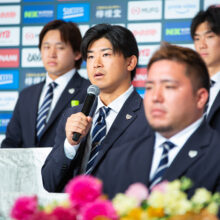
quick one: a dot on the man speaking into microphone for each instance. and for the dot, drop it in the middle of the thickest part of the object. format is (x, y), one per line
(116, 120)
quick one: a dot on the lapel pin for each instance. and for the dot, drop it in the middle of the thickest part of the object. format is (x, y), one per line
(128, 116)
(71, 91)
(193, 153)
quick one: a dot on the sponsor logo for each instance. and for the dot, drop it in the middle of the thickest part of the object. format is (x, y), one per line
(144, 10)
(8, 100)
(9, 36)
(145, 53)
(32, 76)
(146, 32)
(9, 57)
(74, 12)
(9, 79)
(177, 32)
(38, 13)
(30, 35)
(31, 57)
(181, 9)
(10, 14)
(4, 120)
(140, 77)
(105, 10)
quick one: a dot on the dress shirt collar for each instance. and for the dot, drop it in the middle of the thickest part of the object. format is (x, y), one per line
(216, 78)
(117, 104)
(181, 137)
(61, 80)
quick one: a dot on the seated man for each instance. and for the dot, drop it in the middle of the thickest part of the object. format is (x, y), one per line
(39, 107)
(111, 54)
(177, 89)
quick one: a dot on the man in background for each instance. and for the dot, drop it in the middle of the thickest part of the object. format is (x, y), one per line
(205, 31)
(39, 107)
(111, 54)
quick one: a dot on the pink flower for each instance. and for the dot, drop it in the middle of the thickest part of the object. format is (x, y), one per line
(24, 208)
(161, 187)
(100, 208)
(40, 215)
(83, 189)
(138, 191)
(62, 213)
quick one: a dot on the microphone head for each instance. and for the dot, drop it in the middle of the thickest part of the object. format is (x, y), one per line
(92, 89)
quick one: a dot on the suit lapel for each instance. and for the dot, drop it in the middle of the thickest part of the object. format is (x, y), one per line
(65, 98)
(214, 108)
(124, 118)
(192, 151)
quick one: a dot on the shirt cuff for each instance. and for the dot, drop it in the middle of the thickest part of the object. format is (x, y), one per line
(70, 150)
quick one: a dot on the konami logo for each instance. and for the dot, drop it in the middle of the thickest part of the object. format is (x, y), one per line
(9, 57)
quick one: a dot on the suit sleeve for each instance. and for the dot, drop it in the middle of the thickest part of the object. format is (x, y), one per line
(58, 169)
(13, 137)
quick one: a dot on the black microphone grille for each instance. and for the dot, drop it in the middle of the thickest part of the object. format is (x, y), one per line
(92, 89)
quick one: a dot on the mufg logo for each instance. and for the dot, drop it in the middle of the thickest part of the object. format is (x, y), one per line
(9, 79)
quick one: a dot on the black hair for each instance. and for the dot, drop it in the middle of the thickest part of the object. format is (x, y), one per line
(211, 15)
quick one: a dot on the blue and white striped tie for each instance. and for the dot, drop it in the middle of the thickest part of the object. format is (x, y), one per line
(98, 134)
(163, 165)
(44, 110)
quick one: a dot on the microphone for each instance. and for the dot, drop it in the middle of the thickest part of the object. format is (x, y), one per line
(92, 92)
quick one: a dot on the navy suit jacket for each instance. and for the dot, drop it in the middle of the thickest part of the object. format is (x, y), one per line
(198, 159)
(21, 130)
(213, 117)
(129, 125)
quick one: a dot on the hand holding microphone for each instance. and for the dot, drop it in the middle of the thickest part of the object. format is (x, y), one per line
(92, 92)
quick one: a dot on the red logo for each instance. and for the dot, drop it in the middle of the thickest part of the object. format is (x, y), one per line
(5, 34)
(9, 57)
(140, 77)
(10, 14)
(135, 10)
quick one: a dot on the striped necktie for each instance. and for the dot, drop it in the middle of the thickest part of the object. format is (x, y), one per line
(44, 110)
(98, 134)
(163, 165)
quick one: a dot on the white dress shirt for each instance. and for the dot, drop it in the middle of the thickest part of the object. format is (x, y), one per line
(115, 106)
(214, 90)
(178, 140)
(62, 82)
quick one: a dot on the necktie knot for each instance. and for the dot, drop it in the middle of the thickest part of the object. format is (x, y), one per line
(52, 85)
(103, 112)
(167, 146)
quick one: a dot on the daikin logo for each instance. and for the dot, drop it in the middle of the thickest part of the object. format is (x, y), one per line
(73, 12)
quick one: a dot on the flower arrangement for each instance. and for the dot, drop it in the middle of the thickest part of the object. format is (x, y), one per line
(167, 200)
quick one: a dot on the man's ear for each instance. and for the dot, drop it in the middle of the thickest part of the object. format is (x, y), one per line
(132, 62)
(77, 56)
(203, 96)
